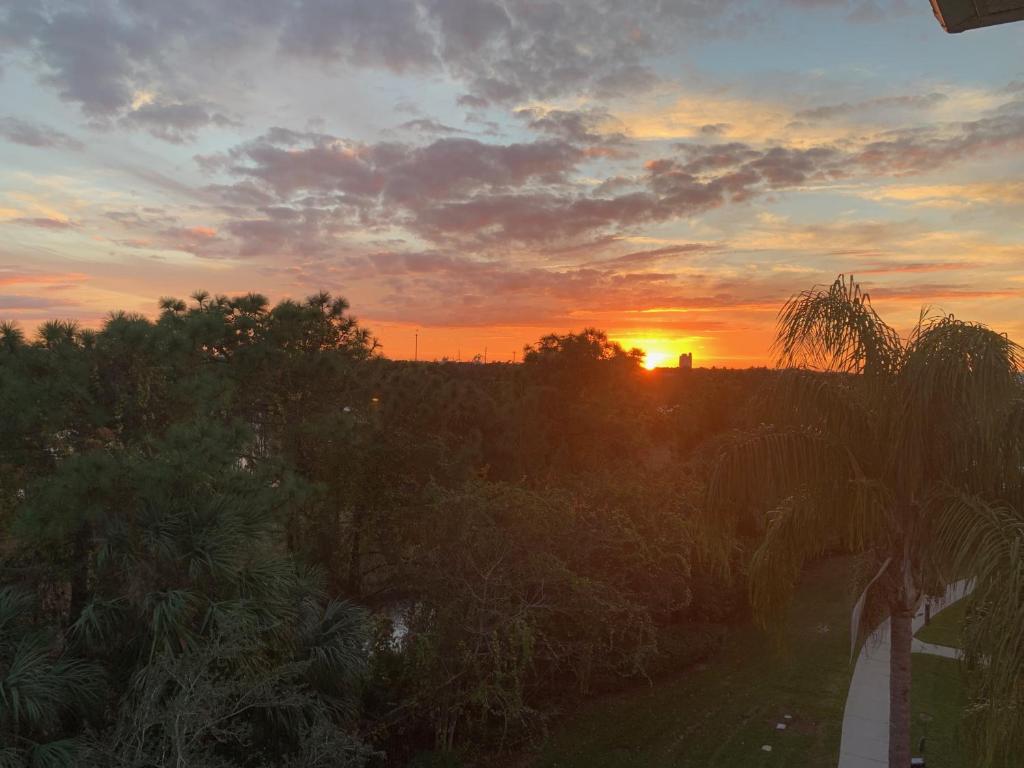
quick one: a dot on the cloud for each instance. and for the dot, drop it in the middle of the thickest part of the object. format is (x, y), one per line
(176, 122)
(398, 171)
(923, 149)
(638, 259)
(31, 134)
(715, 129)
(490, 193)
(1007, 194)
(17, 302)
(108, 55)
(534, 217)
(429, 126)
(308, 232)
(889, 154)
(444, 288)
(388, 33)
(348, 183)
(923, 101)
(929, 292)
(915, 267)
(44, 222)
(88, 55)
(47, 279)
(158, 229)
(575, 126)
(306, 192)
(104, 55)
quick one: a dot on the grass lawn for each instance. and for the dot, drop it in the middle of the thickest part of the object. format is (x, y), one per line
(721, 713)
(938, 697)
(937, 701)
(945, 628)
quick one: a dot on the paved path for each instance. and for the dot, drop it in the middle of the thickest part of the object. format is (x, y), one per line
(932, 649)
(865, 742)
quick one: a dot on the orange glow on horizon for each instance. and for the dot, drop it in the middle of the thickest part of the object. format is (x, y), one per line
(657, 359)
(663, 352)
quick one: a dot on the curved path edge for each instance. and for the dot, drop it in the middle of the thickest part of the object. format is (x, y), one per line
(865, 740)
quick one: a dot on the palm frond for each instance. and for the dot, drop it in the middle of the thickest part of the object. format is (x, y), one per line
(796, 532)
(62, 753)
(836, 329)
(170, 617)
(336, 649)
(801, 473)
(98, 621)
(832, 404)
(985, 540)
(1006, 481)
(14, 607)
(956, 386)
(35, 690)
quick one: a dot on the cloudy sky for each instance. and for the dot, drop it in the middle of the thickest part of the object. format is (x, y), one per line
(491, 170)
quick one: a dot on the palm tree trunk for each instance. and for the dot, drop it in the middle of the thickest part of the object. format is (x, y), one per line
(901, 637)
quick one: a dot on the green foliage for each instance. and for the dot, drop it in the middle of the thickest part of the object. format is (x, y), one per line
(903, 450)
(509, 603)
(580, 350)
(225, 703)
(986, 541)
(44, 692)
(212, 507)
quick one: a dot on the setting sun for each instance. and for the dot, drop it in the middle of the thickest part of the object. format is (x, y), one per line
(657, 358)
(661, 352)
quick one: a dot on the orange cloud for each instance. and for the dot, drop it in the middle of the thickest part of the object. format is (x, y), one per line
(41, 279)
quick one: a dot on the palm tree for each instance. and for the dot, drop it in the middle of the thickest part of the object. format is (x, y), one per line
(42, 690)
(201, 298)
(892, 447)
(54, 333)
(11, 336)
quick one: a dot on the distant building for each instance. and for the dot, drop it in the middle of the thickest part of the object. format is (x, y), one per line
(686, 360)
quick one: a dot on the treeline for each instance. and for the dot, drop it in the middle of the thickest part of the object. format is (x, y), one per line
(237, 536)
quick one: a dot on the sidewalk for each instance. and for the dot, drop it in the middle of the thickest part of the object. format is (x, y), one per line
(865, 741)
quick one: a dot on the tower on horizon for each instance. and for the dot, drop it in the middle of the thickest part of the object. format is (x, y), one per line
(686, 360)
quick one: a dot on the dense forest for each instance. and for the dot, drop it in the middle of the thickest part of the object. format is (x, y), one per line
(237, 535)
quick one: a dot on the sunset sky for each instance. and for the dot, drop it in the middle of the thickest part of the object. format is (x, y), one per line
(488, 171)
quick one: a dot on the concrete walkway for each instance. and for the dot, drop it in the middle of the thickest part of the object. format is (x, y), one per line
(935, 650)
(865, 742)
